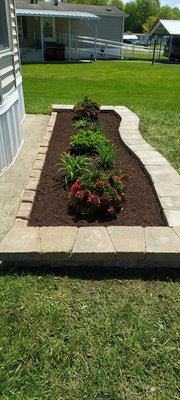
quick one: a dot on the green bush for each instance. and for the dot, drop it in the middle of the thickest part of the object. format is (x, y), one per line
(87, 141)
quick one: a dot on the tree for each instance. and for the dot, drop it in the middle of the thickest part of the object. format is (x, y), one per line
(117, 3)
(146, 9)
(139, 11)
(166, 13)
(149, 24)
(131, 21)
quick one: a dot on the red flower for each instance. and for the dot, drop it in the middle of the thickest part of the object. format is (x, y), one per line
(75, 186)
(93, 199)
(99, 182)
(79, 194)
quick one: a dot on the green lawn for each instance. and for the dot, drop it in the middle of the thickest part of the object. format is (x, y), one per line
(89, 337)
(153, 92)
(95, 335)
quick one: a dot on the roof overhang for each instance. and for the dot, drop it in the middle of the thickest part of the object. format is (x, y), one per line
(166, 28)
(57, 14)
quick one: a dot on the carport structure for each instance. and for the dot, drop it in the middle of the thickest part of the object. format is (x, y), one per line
(167, 27)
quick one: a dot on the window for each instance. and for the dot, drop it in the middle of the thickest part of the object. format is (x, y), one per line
(4, 36)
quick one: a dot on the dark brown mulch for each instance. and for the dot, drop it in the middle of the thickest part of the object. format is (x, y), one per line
(141, 207)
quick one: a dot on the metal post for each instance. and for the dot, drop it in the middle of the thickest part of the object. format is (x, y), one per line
(95, 42)
(154, 52)
(170, 46)
(42, 39)
(69, 39)
(160, 47)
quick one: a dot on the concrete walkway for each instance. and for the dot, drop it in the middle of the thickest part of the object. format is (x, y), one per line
(13, 181)
(123, 247)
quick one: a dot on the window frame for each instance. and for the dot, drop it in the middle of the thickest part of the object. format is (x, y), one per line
(5, 24)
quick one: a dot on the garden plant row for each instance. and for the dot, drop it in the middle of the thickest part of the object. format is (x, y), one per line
(96, 183)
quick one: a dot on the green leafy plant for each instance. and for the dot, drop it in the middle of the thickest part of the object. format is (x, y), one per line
(106, 155)
(97, 127)
(87, 141)
(97, 192)
(87, 108)
(81, 123)
(73, 166)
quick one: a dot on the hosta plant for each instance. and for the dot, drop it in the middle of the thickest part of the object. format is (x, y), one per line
(73, 166)
(97, 192)
(87, 108)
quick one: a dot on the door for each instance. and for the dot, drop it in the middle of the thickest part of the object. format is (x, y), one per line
(49, 29)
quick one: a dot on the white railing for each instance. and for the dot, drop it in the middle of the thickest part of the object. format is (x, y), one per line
(79, 47)
(89, 48)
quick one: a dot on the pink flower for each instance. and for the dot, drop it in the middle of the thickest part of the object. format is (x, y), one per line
(111, 209)
(108, 184)
(119, 198)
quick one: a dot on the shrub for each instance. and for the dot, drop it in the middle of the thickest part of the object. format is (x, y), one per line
(106, 155)
(87, 108)
(74, 166)
(87, 141)
(98, 191)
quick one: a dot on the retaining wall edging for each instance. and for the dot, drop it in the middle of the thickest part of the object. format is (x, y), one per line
(126, 247)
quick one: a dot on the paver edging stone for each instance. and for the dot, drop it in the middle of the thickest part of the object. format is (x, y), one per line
(105, 246)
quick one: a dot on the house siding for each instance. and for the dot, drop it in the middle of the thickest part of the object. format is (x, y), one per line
(11, 96)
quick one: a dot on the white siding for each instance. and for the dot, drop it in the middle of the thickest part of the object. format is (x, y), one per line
(11, 97)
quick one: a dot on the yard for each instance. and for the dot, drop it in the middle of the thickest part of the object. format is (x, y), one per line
(152, 92)
(95, 335)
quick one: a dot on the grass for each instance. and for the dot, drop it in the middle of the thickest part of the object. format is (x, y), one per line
(95, 335)
(88, 337)
(150, 91)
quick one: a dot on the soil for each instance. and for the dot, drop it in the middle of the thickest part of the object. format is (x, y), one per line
(141, 207)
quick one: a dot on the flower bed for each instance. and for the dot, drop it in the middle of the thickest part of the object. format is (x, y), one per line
(140, 208)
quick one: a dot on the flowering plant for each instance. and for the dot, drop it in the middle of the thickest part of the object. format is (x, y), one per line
(87, 108)
(98, 191)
